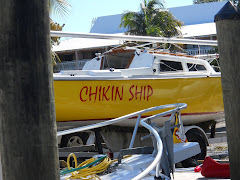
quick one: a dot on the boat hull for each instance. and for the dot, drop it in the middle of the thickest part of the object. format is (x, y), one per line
(88, 101)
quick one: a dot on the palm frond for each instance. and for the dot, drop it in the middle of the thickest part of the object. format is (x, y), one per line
(60, 8)
(55, 58)
(154, 5)
(152, 20)
(134, 22)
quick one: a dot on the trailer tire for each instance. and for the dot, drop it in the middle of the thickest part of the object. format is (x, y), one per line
(75, 139)
(195, 135)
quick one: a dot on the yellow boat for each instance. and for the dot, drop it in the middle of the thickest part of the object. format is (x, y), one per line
(126, 80)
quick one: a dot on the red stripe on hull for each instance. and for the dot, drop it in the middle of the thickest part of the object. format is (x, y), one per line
(182, 114)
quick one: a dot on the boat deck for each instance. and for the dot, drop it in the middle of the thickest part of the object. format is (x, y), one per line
(189, 174)
(179, 174)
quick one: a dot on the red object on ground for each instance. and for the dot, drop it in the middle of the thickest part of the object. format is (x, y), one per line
(211, 168)
(197, 169)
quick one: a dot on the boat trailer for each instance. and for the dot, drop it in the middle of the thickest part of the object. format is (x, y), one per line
(157, 161)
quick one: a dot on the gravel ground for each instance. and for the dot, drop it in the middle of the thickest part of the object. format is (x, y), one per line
(218, 151)
(218, 148)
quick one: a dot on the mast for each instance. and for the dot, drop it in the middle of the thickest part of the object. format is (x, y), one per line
(134, 38)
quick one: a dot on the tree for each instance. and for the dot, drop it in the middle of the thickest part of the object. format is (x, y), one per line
(60, 8)
(152, 20)
(236, 2)
(207, 1)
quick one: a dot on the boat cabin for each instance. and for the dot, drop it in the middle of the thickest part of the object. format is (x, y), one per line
(130, 62)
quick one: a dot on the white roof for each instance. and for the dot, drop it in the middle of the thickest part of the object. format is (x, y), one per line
(88, 43)
(83, 43)
(199, 30)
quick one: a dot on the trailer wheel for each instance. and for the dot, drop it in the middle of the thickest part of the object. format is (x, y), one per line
(194, 135)
(71, 140)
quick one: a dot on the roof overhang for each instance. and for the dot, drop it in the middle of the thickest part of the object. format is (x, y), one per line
(199, 30)
(84, 44)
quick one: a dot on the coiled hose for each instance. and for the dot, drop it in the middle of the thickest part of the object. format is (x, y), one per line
(88, 169)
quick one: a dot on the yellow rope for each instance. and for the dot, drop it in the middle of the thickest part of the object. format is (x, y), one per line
(89, 173)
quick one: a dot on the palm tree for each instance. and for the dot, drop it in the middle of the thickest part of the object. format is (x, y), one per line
(207, 1)
(152, 20)
(60, 8)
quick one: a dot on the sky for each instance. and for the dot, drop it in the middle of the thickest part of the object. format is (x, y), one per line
(82, 12)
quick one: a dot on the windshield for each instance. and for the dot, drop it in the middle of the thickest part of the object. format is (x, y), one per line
(118, 59)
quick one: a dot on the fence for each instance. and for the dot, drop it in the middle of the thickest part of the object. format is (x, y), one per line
(195, 51)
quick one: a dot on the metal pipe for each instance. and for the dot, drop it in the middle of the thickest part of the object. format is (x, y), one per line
(76, 56)
(155, 163)
(122, 118)
(133, 38)
(157, 169)
(159, 154)
(135, 131)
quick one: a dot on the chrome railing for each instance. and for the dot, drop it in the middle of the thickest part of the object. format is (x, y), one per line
(174, 108)
(197, 51)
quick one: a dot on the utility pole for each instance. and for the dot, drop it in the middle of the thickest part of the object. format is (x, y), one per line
(28, 142)
(228, 35)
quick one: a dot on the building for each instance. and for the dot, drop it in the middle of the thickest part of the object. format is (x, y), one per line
(198, 22)
(74, 52)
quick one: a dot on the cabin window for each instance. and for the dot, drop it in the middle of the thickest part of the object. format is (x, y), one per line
(170, 66)
(196, 67)
(117, 60)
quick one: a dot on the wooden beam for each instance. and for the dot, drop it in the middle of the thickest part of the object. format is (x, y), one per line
(228, 34)
(28, 142)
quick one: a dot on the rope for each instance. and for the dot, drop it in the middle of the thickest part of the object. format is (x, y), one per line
(86, 170)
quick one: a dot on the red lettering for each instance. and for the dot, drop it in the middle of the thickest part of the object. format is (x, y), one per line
(102, 93)
(117, 93)
(140, 92)
(93, 94)
(105, 92)
(130, 90)
(113, 93)
(85, 87)
(149, 92)
(144, 91)
(99, 96)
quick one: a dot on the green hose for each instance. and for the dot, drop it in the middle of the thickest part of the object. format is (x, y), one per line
(65, 171)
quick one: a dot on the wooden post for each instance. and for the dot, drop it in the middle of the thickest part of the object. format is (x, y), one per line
(28, 142)
(228, 34)
(76, 56)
